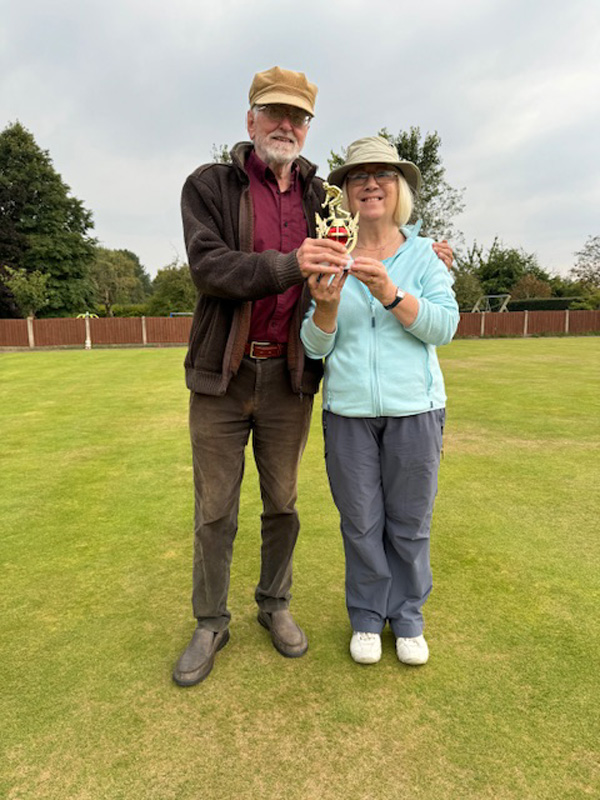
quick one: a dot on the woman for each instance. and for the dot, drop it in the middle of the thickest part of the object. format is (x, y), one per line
(383, 398)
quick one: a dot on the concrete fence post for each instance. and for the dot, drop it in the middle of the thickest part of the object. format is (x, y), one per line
(144, 335)
(526, 323)
(30, 336)
(566, 320)
(482, 330)
(88, 334)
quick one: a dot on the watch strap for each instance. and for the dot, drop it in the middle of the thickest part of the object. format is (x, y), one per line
(398, 299)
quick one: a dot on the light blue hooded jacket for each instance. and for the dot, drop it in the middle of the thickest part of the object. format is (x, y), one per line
(374, 366)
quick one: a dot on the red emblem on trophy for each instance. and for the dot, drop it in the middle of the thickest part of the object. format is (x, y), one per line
(339, 225)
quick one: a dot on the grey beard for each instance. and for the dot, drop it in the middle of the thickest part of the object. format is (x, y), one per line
(279, 158)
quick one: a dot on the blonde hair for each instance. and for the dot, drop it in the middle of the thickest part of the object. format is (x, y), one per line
(404, 204)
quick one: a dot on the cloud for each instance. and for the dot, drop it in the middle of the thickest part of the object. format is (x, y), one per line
(129, 97)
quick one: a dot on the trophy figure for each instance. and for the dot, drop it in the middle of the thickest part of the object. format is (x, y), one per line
(340, 225)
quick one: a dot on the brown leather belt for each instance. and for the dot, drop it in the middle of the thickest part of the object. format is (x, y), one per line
(265, 349)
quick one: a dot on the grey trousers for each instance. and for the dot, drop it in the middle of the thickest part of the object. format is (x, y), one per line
(383, 477)
(259, 399)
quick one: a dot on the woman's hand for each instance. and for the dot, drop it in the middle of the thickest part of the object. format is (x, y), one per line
(326, 292)
(375, 277)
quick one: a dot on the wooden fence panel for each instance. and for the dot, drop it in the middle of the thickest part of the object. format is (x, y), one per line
(584, 321)
(469, 325)
(13, 333)
(58, 332)
(547, 322)
(168, 330)
(507, 323)
(176, 330)
(116, 330)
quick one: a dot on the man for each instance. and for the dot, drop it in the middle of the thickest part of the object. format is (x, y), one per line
(249, 228)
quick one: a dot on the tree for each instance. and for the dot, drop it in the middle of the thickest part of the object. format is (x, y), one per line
(42, 227)
(220, 154)
(590, 302)
(173, 290)
(500, 269)
(504, 266)
(438, 202)
(113, 274)
(467, 288)
(141, 274)
(587, 263)
(565, 287)
(529, 286)
(29, 290)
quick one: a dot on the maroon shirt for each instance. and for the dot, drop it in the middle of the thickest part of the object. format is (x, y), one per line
(279, 224)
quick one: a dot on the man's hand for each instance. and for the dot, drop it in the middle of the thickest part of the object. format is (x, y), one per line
(444, 252)
(321, 256)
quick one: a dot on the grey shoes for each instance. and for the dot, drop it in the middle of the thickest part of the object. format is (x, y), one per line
(287, 637)
(198, 658)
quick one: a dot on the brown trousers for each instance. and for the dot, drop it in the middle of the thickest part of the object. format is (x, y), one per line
(259, 399)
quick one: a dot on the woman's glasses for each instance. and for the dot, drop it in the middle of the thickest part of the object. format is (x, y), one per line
(381, 176)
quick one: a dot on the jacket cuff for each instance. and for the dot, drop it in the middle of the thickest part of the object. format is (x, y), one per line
(417, 324)
(317, 342)
(288, 270)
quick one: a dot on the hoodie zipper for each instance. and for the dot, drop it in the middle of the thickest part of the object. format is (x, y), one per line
(375, 365)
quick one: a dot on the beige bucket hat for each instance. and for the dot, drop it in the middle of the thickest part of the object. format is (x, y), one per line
(278, 85)
(375, 150)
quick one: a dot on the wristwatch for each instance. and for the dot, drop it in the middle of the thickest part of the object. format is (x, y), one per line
(398, 299)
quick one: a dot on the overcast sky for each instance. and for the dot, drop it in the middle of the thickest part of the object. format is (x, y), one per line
(130, 96)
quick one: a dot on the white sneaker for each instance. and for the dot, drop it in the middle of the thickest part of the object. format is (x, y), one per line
(365, 648)
(412, 651)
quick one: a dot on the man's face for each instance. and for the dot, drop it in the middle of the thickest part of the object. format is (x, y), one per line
(277, 142)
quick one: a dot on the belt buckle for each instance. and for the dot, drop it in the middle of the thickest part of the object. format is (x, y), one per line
(259, 344)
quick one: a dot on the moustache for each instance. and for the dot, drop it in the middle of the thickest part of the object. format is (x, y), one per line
(275, 136)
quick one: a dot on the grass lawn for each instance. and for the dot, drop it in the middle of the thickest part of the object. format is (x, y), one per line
(96, 546)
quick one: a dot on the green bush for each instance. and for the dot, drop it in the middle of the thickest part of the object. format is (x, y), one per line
(590, 302)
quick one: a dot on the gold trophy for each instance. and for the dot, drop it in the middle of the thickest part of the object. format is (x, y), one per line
(340, 225)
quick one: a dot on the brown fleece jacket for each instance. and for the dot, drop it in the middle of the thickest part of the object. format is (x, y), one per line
(218, 226)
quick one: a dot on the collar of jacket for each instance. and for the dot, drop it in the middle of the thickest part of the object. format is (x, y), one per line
(240, 151)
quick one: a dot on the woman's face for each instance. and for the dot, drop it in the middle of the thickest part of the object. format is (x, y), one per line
(373, 190)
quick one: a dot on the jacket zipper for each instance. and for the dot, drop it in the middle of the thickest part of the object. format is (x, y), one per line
(374, 380)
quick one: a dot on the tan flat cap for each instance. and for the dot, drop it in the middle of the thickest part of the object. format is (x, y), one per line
(278, 85)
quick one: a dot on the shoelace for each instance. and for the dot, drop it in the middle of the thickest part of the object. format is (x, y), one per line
(366, 637)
